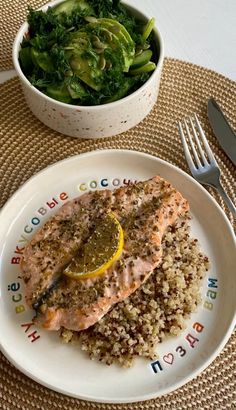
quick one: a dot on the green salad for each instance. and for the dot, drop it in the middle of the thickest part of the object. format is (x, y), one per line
(87, 52)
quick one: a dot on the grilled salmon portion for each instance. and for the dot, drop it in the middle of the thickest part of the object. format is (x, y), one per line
(56, 243)
(144, 210)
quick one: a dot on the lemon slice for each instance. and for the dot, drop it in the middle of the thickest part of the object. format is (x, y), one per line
(101, 250)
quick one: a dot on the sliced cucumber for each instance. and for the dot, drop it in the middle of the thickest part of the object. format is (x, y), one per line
(118, 29)
(69, 5)
(83, 61)
(146, 68)
(147, 29)
(86, 68)
(87, 58)
(113, 43)
(59, 92)
(124, 37)
(119, 37)
(141, 59)
(42, 60)
(76, 90)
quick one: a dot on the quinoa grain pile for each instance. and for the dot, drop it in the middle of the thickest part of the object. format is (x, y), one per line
(157, 309)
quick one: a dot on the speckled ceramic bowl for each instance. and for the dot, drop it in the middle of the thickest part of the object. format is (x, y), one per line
(92, 121)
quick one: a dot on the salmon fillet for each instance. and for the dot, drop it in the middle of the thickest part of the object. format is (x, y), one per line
(144, 210)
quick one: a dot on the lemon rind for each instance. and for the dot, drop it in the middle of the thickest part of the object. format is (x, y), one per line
(99, 271)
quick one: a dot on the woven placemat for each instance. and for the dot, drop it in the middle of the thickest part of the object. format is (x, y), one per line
(27, 146)
(12, 14)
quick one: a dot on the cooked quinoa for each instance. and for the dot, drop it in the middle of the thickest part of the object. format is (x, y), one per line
(159, 308)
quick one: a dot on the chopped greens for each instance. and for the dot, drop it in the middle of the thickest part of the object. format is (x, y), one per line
(87, 52)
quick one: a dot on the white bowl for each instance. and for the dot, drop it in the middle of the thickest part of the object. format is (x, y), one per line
(91, 121)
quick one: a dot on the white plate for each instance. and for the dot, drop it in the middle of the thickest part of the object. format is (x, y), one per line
(65, 368)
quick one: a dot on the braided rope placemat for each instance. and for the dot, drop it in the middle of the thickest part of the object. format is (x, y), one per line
(13, 13)
(27, 146)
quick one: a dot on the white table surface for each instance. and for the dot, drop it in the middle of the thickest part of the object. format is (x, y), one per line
(202, 32)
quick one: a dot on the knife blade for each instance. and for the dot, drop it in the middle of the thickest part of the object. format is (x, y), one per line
(222, 129)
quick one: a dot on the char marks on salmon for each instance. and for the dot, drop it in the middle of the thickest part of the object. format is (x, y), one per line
(144, 210)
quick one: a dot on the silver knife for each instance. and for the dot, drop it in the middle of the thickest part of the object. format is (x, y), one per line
(222, 130)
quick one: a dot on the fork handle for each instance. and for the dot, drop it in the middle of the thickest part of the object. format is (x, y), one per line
(226, 198)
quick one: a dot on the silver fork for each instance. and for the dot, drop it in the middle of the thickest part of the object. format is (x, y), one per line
(204, 168)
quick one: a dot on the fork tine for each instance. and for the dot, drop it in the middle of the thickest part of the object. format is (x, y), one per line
(195, 154)
(185, 147)
(203, 157)
(204, 140)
